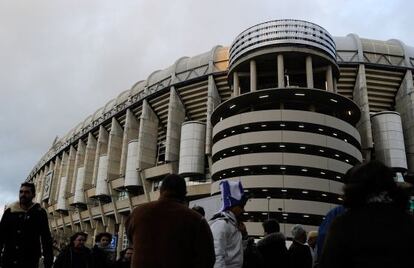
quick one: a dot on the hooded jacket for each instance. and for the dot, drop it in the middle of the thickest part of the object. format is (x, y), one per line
(24, 235)
(227, 240)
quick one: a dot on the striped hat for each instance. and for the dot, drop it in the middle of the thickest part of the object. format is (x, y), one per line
(232, 194)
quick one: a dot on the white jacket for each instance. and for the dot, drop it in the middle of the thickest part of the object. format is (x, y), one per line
(227, 241)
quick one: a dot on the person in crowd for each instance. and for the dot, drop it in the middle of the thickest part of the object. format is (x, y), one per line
(312, 238)
(166, 233)
(299, 253)
(375, 204)
(273, 245)
(200, 210)
(225, 226)
(102, 253)
(330, 216)
(24, 232)
(75, 255)
(251, 256)
(124, 260)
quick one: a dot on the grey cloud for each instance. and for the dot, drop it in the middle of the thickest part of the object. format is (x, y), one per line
(62, 60)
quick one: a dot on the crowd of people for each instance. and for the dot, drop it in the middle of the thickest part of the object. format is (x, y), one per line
(372, 228)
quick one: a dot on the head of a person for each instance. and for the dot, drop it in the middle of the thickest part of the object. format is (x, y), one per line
(299, 233)
(173, 186)
(77, 240)
(128, 254)
(312, 238)
(372, 182)
(233, 197)
(271, 226)
(27, 193)
(199, 210)
(103, 239)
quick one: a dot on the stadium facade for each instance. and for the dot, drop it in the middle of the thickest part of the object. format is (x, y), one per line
(287, 109)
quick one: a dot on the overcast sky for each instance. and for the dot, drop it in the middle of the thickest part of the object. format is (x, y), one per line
(62, 60)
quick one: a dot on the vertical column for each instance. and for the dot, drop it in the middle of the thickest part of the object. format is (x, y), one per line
(280, 71)
(114, 149)
(404, 104)
(176, 116)
(131, 130)
(61, 199)
(213, 100)
(236, 84)
(360, 97)
(89, 161)
(309, 72)
(147, 137)
(329, 80)
(101, 149)
(55, 180)
(70, 167)
(253, 76)
(79, 159)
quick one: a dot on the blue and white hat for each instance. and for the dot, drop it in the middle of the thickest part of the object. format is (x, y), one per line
(232, 194)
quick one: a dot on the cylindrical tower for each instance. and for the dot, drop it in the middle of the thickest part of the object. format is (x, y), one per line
(192, 146)
(389, 140)
(285, 133)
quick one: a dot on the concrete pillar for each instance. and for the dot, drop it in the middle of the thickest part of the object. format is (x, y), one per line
(236, 84)
(55, 181)
(61, 197)
(280, 71)
(70, 169)
(114, 149)
(131, 130)
(253, 76)
(101, 149)
(213, 100)
(309, 72)
(89, 161)
(176, 116)
(329, 79)
(360, 97)
(404, 104)
(147, 137)
(79, 161)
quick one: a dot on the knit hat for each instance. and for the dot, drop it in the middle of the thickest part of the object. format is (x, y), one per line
(232, 194)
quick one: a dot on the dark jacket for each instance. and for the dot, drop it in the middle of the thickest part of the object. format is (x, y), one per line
(24, 235)
(101, 258)
(376, 235)
(165, 233)
(299, 255)
(274, 251)
(68, 258)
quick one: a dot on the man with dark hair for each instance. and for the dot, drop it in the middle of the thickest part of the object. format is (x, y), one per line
(166, 233)
(200, 210)
(273, 245)
(102, 253)
(24, 232)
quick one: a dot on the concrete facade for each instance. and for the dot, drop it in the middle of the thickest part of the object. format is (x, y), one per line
(297, 90)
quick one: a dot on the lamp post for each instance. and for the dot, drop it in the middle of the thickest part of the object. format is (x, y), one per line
(268, 207)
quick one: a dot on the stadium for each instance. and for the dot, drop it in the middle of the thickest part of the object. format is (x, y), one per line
(286, 109)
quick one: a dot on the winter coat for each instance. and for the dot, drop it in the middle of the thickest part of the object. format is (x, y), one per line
(102, 258)
(274, 251)
(299, 255)
(166, 233)
(376, 235)
(68, 258)
(24, 235)
(227, 240)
